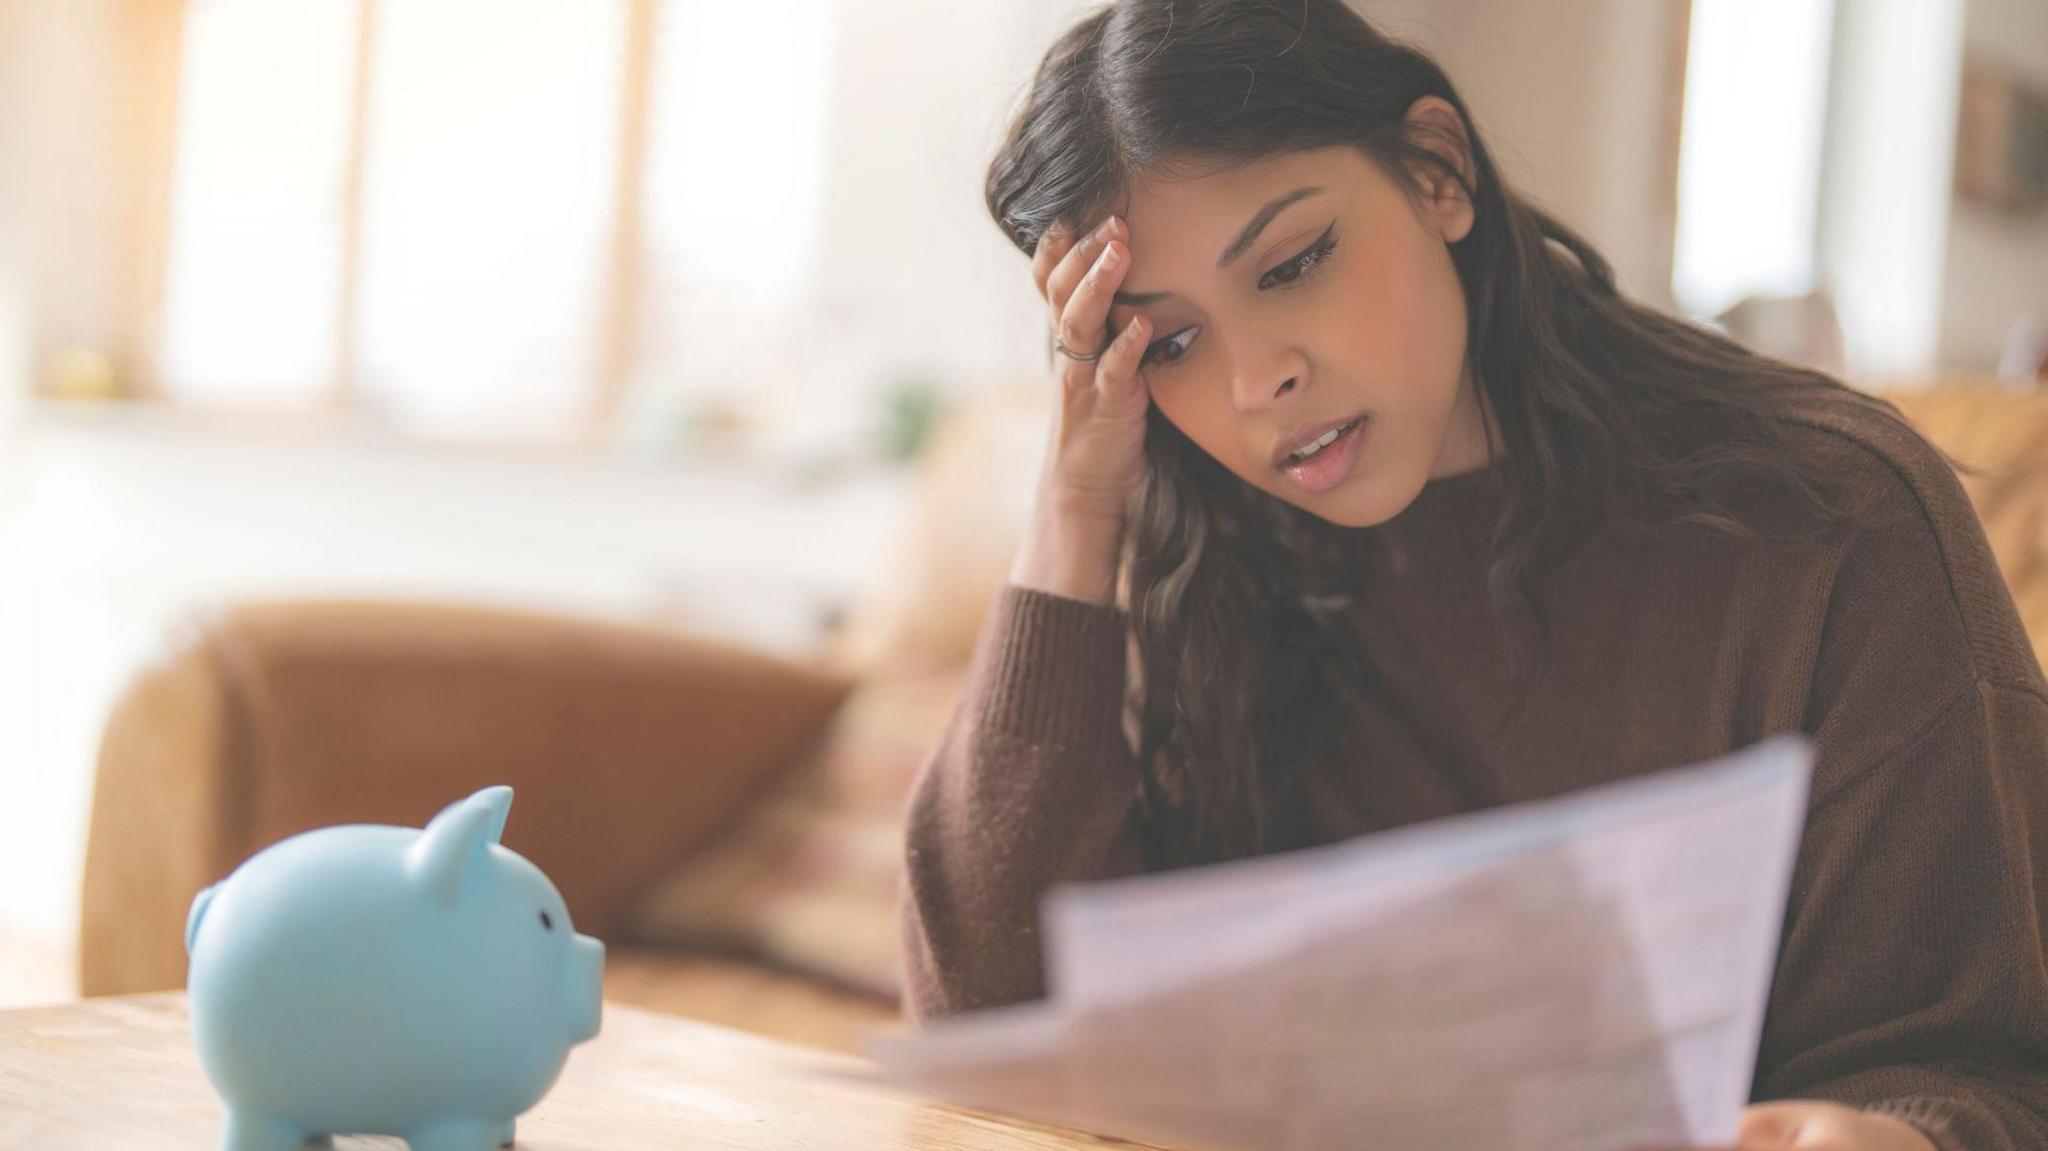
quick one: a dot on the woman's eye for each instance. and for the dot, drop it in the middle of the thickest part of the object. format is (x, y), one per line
(1166, 352)
(1294, 269)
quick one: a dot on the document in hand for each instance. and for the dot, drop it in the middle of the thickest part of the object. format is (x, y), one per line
(1582, 972)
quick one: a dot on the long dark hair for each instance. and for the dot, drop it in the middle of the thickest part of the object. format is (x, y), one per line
(1596, 403)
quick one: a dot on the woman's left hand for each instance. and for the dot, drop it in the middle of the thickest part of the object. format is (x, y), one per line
(1811, 1125)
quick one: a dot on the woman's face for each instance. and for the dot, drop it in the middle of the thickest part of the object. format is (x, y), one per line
(1300, 291)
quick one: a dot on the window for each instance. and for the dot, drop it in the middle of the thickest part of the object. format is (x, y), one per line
(489, 217)
(490, 161)
(1756, 94)
(254, 262)
(731, 213)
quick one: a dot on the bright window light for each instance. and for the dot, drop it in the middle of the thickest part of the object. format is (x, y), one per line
(254, 253)
(735, 155)
(489, 188)
(1750, 158)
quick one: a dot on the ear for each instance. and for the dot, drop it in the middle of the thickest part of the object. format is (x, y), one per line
(1433, 123)
(444, 858)
(197, 915)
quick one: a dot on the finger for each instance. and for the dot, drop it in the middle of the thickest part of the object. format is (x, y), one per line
(1784, 1124)
(1116, 373)
(1767, 1126)
(1084, 321)
(1057, 241)
(1074, 267)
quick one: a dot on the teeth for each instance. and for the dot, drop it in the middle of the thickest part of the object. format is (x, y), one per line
(1328, 438)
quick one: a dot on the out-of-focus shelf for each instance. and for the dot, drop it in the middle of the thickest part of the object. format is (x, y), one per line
(295, 428)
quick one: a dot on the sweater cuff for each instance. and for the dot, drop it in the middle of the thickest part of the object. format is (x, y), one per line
(1932, 1115)
(1055, 667)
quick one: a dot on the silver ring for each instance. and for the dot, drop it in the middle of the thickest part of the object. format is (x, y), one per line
(1086, 358)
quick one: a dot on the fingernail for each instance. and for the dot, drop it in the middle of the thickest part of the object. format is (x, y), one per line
(1109, 257)
(1106, 229)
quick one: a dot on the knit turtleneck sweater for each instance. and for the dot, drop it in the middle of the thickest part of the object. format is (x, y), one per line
(1911, 976)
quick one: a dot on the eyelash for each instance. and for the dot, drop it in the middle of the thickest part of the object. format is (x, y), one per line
(1304, 266)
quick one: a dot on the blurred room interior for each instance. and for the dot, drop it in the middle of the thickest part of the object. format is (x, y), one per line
(650, 312)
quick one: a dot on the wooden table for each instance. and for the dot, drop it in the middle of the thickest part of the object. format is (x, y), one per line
(119, 1073)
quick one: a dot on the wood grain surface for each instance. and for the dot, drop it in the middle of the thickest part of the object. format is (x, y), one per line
(120, 1072)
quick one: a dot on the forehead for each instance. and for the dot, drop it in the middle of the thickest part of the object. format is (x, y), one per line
(1194, 200)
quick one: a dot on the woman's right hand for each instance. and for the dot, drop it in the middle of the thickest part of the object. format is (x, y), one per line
(1096, 455)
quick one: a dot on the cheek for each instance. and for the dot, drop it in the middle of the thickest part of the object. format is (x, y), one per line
(1402, 329)
(1201, 413)
(1200, 408)
(1397, 332)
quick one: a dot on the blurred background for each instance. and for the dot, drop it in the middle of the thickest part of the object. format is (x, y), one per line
(645, 311)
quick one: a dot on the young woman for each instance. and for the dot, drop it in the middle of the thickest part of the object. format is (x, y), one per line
(1404, 511)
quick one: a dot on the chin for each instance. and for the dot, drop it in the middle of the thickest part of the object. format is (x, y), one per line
(1363, 501)
(1369, 512)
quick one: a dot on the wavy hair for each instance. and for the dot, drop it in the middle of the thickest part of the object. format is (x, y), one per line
(1597, 405)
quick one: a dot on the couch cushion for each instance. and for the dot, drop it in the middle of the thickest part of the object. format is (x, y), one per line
(807, 877)
(376, 712)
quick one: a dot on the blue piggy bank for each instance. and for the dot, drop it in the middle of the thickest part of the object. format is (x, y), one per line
(367, 979)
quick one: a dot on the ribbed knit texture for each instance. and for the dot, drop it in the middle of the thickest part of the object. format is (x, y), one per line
(1911, 976)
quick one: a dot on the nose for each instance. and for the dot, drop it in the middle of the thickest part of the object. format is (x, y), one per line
(1264, 372)
(586, 987)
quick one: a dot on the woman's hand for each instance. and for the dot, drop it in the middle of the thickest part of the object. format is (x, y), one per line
(1811, 1125)
(1096, 455)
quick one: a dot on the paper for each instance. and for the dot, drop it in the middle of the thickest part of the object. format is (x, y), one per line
(1580, 973)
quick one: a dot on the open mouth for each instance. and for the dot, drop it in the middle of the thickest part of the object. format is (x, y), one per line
(1329, 438)
(1324, 464)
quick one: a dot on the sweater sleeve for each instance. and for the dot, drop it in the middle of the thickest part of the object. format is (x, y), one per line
(1033, 783)
(1911, 977)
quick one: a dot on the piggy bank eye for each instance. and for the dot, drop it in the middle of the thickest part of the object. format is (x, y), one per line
(546, 923)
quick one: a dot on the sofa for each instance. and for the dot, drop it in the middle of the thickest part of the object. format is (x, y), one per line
(728, 821)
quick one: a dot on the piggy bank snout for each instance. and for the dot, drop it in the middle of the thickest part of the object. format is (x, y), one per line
(586, 987)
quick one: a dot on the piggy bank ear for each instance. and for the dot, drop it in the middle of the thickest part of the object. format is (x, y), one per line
(445, 858)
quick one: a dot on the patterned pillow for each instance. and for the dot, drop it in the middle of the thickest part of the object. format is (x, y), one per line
(806, 878)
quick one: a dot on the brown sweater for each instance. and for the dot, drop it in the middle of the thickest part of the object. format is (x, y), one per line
(1911, 975)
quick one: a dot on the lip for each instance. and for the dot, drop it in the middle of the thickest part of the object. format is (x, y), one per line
(1306, 435)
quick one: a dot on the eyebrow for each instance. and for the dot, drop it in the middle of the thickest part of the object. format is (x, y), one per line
(1245, 239)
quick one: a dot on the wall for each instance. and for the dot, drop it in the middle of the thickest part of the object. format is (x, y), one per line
(1573, 96)
(1996, 264)
(56, 288)
(57, 207)
(912, 266)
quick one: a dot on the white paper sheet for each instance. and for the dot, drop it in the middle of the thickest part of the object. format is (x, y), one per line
(1585, 972)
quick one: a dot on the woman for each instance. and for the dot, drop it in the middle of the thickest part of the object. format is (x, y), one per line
(1405, 511)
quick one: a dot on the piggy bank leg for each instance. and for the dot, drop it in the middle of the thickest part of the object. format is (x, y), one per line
(247, 1132)
(455, 1135)
(505, 1134)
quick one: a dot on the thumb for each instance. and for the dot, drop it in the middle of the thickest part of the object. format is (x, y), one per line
(1771, 1126)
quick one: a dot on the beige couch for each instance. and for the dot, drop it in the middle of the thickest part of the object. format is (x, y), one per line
(728, 822)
